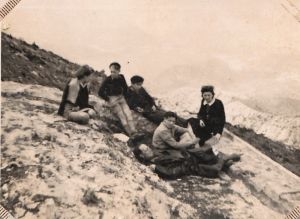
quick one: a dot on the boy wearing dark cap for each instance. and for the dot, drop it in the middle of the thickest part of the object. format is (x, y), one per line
(113, 90)
(75, 101)
(139, 100)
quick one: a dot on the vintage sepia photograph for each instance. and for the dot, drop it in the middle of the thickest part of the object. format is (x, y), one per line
(148, 109)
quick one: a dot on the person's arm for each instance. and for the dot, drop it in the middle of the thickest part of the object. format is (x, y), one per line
(180, 130)
(64, 99)
(130, 99)
(124, 85)
(201, 113)
(219, 121)
(148, 97)
(103, 90)
(169, 140)
(89, 92)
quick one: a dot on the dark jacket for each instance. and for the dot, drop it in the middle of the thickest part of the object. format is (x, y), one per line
(80, 96)
(139, 98)
(113, 87)
(213, 116)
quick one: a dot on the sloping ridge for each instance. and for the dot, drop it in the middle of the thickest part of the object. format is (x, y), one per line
(43, 151)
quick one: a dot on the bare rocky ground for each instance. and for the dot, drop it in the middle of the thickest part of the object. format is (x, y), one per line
(56, 169)
(289, 157)
(52, 168)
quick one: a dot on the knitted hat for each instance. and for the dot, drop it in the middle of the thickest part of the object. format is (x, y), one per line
(207, 88)
(137, 79)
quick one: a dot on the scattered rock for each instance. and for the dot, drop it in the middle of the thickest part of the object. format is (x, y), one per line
(121, 137)
(4, 188)
(89, 197)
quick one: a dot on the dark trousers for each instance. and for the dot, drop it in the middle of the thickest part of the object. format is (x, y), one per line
(191, 166)
(204, 133)
(201, 164)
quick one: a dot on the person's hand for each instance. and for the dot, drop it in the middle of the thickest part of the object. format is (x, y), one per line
(92, 113)
(202, 124)
(139, 109)
(195, 141)
(218, 136)
(214, 139)
(76, 108)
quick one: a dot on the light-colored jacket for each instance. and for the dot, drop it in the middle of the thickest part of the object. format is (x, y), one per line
(164, 137)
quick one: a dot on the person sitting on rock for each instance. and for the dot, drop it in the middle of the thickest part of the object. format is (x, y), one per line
(113, 90)
(210, 120)
(75, 100)
(177, 158)
(139, 100)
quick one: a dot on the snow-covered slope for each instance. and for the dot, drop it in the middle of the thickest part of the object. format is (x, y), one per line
(285, 129)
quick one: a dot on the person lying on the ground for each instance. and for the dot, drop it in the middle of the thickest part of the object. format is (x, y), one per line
(177, 158)
(210, 120)
(75, 100)
(113, 90)
(141, 101)
(170, 169)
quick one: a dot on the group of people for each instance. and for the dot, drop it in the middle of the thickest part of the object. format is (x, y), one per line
(179, 146)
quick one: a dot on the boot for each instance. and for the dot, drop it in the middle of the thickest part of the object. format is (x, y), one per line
(127, 130)
(132, 127)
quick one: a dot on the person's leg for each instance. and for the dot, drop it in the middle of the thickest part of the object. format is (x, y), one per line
(118, 111)
(75, 116)
(181, 122)
(200, 132)
(156, 116)
(208, 171)
(79, 117)
(92, 113)
(172, 170)
(229, 159)
(127, 114)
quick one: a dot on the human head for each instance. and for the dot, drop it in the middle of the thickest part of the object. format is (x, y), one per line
(208, 93)
(143, 153)
(83, 73)
(146, 151)
(170, 119)
(115, 69)
(137, 82)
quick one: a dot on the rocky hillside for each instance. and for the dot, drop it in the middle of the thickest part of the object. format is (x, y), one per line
(52, 168)
(28, 64)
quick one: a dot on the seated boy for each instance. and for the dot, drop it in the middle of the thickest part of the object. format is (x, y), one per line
(139, 100)
(174, 159)
(113, 90)
(75, 100)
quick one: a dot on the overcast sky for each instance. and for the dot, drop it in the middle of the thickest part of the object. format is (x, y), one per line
(238, 45)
